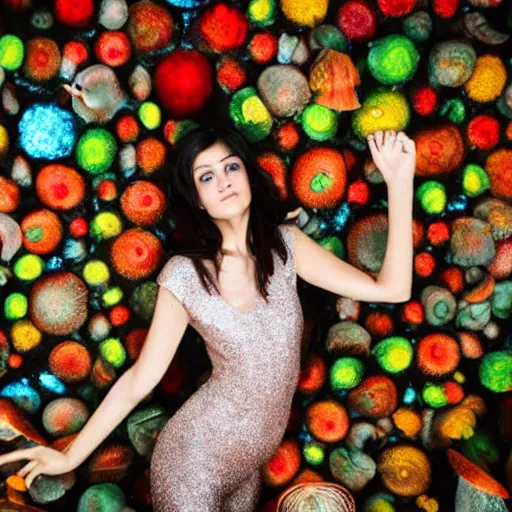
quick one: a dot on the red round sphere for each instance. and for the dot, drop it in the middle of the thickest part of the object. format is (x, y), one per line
(396, 8)
(74, 13)
(424, 100)
(184, 82)
(357, 20)
(483, 132)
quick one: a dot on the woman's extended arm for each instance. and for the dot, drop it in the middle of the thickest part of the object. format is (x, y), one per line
(165, 333)
(395, 156)
(167, 327)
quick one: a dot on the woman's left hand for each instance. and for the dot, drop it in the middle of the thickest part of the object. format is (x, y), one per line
(395, 156)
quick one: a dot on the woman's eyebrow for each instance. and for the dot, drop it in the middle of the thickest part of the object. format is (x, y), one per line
(226, 157)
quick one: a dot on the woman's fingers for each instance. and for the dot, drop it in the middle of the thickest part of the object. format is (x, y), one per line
(26, 453)
(372, 144)
(379, 138)
(408, 144)
(32, 475)
(388, 139)
(28, 467)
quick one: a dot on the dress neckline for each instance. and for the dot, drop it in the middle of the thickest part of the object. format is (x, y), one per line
(257, 303)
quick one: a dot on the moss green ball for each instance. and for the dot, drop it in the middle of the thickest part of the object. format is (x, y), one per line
(113, 351)
(11, 52)
(314, 453)
(393, 59)
(15, 306)
(432, 196)
(434, 395)
(96, 150)
(319, 123)
(346, 373)
(394, 354)
(474, 180)
(495, 371)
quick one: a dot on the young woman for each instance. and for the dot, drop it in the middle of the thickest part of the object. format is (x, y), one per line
(236, 285)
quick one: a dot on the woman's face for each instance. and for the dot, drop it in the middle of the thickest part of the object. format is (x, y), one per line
(218, 173)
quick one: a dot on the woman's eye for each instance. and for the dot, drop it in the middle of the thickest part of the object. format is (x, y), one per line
(232, 167)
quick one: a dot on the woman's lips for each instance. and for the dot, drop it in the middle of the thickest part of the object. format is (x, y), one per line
(230, 195)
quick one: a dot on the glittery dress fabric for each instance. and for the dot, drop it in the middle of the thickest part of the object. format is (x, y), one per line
(208, 456)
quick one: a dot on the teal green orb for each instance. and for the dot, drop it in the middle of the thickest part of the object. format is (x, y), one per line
(394, 354)
(104, 497)
(96, 150)
(393, 59)
(495, 371)
(314, 453)
(11, 52)
(346, 373)
(318, 122)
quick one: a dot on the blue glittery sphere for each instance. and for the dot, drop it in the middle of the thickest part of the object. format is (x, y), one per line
(47, 131)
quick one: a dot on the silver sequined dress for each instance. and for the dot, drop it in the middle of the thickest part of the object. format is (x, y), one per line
(207, 457)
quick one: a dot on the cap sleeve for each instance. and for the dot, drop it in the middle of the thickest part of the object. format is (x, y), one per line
(174, 276)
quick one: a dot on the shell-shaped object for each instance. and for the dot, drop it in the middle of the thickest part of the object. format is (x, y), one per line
(10, 235)
(334, 77)
(113, 14)
(473, 316)
(284, 90)
(498, 214)
(451, 63)
(475, 475)
(314, 496)
(14, 422)
(140, 83)
(472, 242)
(477, 26)
(352, 467)
(21, 172)
(348, 337)
(405, 470)
(301, 53)
(64, 416)
(439, 304)
(100, 94)
(9, 101)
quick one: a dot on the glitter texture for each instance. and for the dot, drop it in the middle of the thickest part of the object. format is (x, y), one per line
(47, 131)
(208, 456)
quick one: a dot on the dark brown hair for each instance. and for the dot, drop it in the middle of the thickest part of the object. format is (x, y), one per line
(201, 238)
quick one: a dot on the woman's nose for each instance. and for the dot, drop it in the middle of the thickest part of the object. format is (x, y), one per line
(223, 183)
